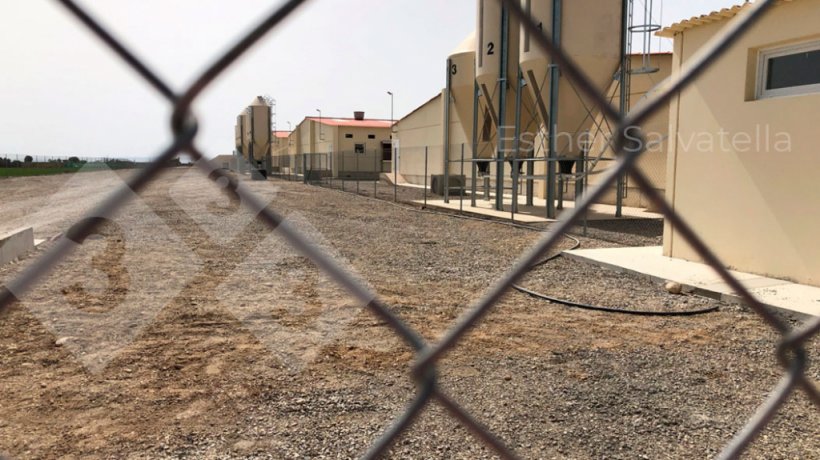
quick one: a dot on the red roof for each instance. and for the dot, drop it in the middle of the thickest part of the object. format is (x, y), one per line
(352, 122)
(281, 134)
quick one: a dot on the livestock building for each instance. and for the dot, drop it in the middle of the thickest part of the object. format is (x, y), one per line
(744, 159)
(349, 148)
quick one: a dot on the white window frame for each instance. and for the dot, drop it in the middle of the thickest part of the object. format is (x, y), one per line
(763, 70)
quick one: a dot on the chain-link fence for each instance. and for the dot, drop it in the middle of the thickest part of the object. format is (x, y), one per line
(468, 187)
(790, 350)
(301, 167)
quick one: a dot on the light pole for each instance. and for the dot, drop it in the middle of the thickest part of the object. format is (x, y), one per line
(391, 114)
(393, 152)
(290, 131)
(321, 135)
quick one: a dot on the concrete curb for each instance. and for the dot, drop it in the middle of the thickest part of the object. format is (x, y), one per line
(16, 244)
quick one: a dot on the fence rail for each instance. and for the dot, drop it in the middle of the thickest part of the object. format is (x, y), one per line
(790, 350)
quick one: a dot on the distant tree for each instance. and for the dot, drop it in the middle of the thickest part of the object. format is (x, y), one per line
(28, 159)
(73, 160)
(16, 164)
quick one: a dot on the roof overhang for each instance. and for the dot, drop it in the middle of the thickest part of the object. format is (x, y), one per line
(704, 19)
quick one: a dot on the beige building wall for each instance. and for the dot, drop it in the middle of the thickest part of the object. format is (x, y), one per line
(295, 144)
(374, 140)
(325, 138)
(419, 129)
(307, 136)
(755, 202)
(424, 128)
(280, 151)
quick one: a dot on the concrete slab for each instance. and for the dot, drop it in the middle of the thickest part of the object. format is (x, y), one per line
(484, 208)
(537, 212)
(16, 244)
(702, 279)
(388, 177)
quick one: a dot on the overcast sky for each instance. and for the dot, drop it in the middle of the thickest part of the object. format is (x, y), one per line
(63, 93)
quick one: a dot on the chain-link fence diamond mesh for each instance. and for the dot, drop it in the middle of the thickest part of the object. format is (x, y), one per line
(628, 145)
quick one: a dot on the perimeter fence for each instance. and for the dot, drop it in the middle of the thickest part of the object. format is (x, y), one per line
(420, 181)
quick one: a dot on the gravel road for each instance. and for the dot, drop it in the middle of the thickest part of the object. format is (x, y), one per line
(187, 330)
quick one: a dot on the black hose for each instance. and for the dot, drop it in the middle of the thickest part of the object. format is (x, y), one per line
(538, 295)
(585, 306)
(570, 303)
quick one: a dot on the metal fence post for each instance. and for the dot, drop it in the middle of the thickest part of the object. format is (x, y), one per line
(329, 166)
(425, 177)
(462, 180)
(473, 186)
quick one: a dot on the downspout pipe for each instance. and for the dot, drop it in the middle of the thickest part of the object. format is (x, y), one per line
(555, 75)
(502, 109)
(624, 94)
(447, 97)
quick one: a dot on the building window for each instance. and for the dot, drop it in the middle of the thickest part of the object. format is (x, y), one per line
(348, 136)
(358, 148)
(371, 136)
(789, 70)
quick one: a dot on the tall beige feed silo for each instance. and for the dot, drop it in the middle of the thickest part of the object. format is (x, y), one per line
(239, 141)
(505, 107)
(258, 135)
(590, 32)
(496, 35)
(462, 84)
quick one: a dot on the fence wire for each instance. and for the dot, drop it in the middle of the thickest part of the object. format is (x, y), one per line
(790, 351)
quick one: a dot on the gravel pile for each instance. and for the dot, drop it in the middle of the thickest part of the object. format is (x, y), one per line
(255, 354)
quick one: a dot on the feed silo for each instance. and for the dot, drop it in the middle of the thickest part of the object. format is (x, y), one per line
(257, 134)
(590, 32)
(461, 77)
(502, 105)
(239, 142)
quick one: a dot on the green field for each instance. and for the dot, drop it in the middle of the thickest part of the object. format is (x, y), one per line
(22, 172)
(46, 171)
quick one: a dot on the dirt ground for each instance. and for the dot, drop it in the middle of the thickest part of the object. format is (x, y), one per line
(188, 330)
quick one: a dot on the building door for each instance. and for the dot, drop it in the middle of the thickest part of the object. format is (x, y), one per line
(387, 156)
